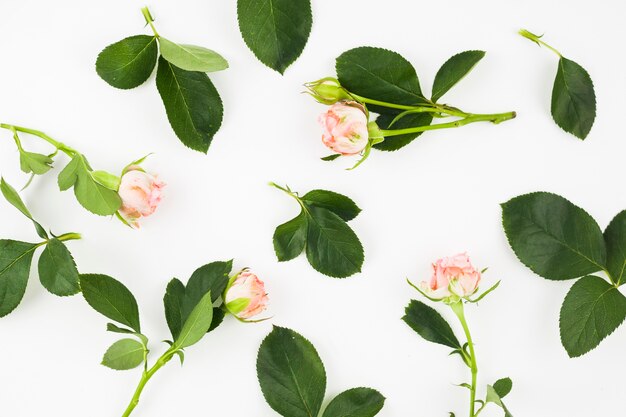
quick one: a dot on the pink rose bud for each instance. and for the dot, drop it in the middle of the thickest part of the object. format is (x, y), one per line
(453, 275)
(345, 128)
(245, 296)
(327, 91)
(140, 193)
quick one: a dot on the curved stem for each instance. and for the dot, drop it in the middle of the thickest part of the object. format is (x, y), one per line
(458, 310)
(58, 145)
(427, 108)
(145, 377)
(150, 20)
(537, 40)
(473, 118)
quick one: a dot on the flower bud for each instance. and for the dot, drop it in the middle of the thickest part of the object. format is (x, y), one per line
(327, 91)
(141, 194)
(345, 128)
(453, 276)
(245, 296)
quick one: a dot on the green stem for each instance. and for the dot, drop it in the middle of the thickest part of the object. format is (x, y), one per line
(58, 145)
(429, 108)
(69, 236)
(537, 40)
(458, 310)
(145, 377)
(150, 20)
(291, 193)
(472, 118)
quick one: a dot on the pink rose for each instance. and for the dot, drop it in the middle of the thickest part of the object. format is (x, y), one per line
(453, 275)
(140, 193)
(345, 127)
(246, 296)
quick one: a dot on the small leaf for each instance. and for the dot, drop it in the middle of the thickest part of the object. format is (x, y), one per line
(615, 238)
(493, 395)
(503, 386)
(429, 324)
(68, 176)
(15, 260)
(128, 63)
(290, 238)
(331, 157)
(106, 179)
(57, 270)
(193, 105)
(191, 57)
(116, 329)
(339, 204)
(276, 31)
(218, 318)
(453, 71)
(553, 237)
(36, 163)
(356, 402)
(573, 99)
(291, 374)
(124, 354)
(111, 298)
(14, 198)
(173, 303)
(197, 324)
(591, 311)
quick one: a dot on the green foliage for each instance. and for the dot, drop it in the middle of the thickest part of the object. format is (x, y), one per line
(57, 270)
(498, 391)
(615, 238)
(355, 402)
(573, 99)
(339, 204)
(453, 71)
(14, 198)
(429, 324)
(128, 63)
(15, 260)
(124, 354)
(111, 298)
(197, 324)
(35, 163)
(191, 57)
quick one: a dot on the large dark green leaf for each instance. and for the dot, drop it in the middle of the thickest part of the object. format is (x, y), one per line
(129, 62)
(197, 323)
(356, 402)
(57, 270)
(291, 374)
(290, 238)
(15, 260)
(615, 237)
(332, 247)
(429, 324)
(339, 204)
(553, 237)
(393, 143)
(111, 298)
(191, 57)
(124, 354)
(592, 310)
(276, 31)
(193, 105)
(173, 302)
(573, 99)
(14, 198)
(453, 71)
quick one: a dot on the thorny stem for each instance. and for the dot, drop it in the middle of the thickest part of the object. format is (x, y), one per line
(58, 145)
(537, 40)
(150, 20)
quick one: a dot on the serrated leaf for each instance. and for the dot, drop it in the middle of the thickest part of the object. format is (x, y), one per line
(356, 402)
(36, 163)
(553, 237)
(290, 238)
(573, 99)
(291, 374)
(111, 298)
(615, 238)
(453, 71)
(191, 57)
(123, 355)
(429, 324)
(276, 31)
(193, 105)
(15, 261)
(393, 143)
(128, 63)
(339, 204)
(57, 270)
(13, 197)
(197, 323)
(591, 311)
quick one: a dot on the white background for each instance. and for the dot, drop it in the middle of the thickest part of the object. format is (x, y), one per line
(438, 196)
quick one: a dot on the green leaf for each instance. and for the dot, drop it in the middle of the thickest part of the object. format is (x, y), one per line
(173, 303)
(393, 143)
(191, 57)
(193, 105)
(218, 318)
(124, 354)
(493, 396)
(339, 204)
(331, 157)
(291, 374)
(36, 163)
(116, 329)
(15, 260)
(276, 31)
(197, 323)
(503, 386)
(111, 298)
(615, 238)
(129, 62)
(591, 311)
(290, 238)
(429, 324)
(14, 198)
(356, 402)
(453, 71)
(57, 270)
(106, 179)
(69, 175)
(553, 237)
(573, 99)
(332, 248)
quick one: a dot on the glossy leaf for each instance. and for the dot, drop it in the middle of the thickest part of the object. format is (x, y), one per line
(393, 143)
(36, 163)
(355, 402)
(573, 99)
(553, 237)
(193, 105)
(124, 354)
(111, 298)
(429, 324)
(291, 374)
(453, 71)
(57, 270)
(339, 204)
(13, 197)
(197, 323)
(290, 238)
(615, 238)
(276, 31)
(15, 261)
(129, 62)
(191, 57)
(592, 310)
